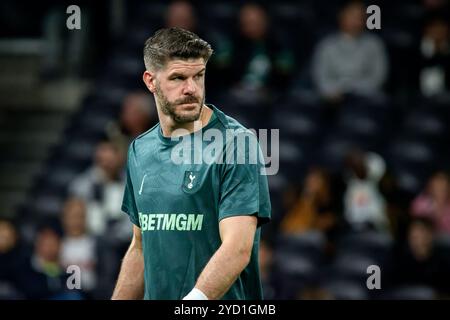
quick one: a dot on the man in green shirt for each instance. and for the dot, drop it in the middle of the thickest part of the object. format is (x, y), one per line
(196, 223)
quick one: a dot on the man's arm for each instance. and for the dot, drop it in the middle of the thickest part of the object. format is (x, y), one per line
(237, 234)
(130, 284)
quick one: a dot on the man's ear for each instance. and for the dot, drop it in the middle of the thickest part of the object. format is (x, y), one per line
(149, 80)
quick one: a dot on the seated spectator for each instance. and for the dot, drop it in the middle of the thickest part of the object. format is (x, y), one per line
(43, 277)
(437, 7)
(181, 14)
(434, 202)
(418, 262)
(138, 114)
(12, 258)
(259, 61)
(78, 246)
(101, 187)
(364, 205)
(315, 208)
(434, 63)
(351, 61)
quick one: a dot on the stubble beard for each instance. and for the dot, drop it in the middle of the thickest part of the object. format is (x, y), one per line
(170, 108)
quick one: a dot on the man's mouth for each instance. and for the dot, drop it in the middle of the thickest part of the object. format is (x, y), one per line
(189, 104)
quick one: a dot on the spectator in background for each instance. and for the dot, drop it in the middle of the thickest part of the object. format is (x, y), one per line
(43, 276)
(12, 258)
(181, 14)
(434, 58)
(364, 205)
(101, 187)
(350, 61)
(440, 7)
(315, 208)
(259, 61)
(78, 246)
(419, 263)
(434, 202)
(138, 114)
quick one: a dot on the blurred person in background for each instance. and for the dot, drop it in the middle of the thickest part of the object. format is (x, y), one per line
(440, 7)
(181, 14)
(12, 258)
(434, 202)
(315, 208)
(364, 204)
(137, 116)
(43, 277)
(418, 262)
(434, 58)
(350, 61)
(78, 246)
(259, 61)
(101, 187)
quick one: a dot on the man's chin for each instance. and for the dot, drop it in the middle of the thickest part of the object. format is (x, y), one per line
(185, 117)
(187, 113)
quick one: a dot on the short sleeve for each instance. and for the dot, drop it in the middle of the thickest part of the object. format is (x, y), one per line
(129, 202)
(244, 188)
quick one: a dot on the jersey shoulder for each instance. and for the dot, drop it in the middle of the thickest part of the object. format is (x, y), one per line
(142, 141)
(227, 122)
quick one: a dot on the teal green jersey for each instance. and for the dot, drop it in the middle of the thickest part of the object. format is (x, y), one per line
(178, 206)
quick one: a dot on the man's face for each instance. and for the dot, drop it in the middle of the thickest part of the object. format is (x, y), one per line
(108, 158)
(74, 218)
(180, 89)
(48, 245)
(253, 21)
(420, 241)
(352, 19)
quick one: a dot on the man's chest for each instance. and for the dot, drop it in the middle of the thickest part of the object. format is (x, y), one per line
(161, 186)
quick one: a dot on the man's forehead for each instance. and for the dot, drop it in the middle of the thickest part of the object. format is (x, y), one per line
(186, 65)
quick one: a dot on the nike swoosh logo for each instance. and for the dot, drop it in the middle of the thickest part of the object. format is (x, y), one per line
(142, 184)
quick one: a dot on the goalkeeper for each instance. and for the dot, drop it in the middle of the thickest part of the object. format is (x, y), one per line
(196, 225)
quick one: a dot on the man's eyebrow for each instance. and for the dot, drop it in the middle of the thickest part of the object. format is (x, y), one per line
(178, 74)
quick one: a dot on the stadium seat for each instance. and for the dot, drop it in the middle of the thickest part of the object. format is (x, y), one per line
(296, 261)
(310, 244)
(334, 149)
(410, 293)
(297, 126)
(346, 290)
(375, 245)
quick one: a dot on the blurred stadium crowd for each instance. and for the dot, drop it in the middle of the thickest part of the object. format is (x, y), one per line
(364, 143)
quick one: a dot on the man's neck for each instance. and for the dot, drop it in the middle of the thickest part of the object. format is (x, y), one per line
(169, 126)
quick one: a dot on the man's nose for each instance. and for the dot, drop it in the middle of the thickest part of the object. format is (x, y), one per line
(189, 87)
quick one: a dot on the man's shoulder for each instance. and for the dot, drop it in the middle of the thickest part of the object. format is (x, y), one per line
(226, 122)
(147, 137)
(373, 41)
(329, 40)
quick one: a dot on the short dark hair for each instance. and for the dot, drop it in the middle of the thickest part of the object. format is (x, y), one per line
(172, 43)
